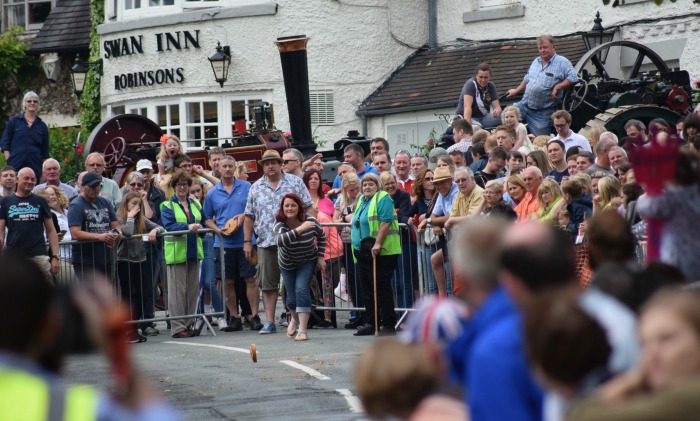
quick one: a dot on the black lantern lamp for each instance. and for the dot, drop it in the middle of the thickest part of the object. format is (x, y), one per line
(598, 36)
(79, 71)
(220, 62)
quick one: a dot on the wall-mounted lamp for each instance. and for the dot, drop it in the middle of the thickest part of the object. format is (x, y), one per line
(220, 62)
(79, 71)
(598, 36)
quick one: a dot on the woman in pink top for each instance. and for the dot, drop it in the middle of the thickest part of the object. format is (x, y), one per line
(312, 180)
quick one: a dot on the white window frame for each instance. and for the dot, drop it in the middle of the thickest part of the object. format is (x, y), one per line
(27, 26)
(146, 10)
(224, 122)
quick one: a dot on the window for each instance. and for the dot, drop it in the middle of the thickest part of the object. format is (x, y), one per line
(168, 118)
(139, 110)
(241, 113)
(29, 14)
(202, 122)
(322, 108)
(143, 4)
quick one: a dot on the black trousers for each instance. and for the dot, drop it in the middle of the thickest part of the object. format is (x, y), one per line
(385, 299)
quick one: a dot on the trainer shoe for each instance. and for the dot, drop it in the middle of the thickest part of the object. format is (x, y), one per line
(255, 323)
(221, 321)
(150, 331)
(234, 325)
(269, 327)
(283, 320)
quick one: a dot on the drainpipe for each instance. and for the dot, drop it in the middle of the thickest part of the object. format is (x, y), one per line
(432, 23)
(363, 117)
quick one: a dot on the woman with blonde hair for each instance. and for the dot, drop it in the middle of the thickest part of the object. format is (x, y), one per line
(241, 171)
(516, 189)
(540, 160)
(551, 202)
(586, 182)
(136, 289)
(667, 384)
(609, 194)
(344, 210)
(594, 135)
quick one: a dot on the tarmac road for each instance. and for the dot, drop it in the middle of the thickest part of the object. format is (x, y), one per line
(214, 378)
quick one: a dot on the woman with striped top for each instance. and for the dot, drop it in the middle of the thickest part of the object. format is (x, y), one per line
(301, 244)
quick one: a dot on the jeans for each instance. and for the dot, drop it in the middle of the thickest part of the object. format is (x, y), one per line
(297, 282)
(207, 273)
(402, 279)
(539, 122)
(487, 122)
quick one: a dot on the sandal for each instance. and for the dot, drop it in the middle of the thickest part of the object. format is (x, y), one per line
(292, 329)
(301, 336)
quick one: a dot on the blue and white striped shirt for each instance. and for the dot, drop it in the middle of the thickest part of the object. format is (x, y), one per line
(540, 81)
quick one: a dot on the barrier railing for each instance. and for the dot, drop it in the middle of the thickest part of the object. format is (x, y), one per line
(141, 279)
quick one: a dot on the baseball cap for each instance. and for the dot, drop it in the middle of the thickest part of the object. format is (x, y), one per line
(437, 320)
(91, 179)
(433, 157)
(144, 164)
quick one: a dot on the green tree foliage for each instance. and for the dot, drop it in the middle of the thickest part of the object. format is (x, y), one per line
(90, 102)
(17, 70)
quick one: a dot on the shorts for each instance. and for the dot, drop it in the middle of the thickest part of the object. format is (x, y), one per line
(235, 264)
(268, 276)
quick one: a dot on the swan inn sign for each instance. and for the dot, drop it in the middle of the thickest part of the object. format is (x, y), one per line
(166, 41)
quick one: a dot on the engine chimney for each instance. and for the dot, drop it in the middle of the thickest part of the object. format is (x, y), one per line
(296, 85)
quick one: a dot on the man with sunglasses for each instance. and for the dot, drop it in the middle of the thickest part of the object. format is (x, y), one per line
(109, 189)
(25, 141)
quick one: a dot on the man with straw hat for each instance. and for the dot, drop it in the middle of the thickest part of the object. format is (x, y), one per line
(263, 203)
(447, 192)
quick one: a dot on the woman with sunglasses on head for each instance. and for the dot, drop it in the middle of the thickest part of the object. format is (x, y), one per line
(425, 194)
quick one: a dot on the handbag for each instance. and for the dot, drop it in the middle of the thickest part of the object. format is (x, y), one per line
(429, 237)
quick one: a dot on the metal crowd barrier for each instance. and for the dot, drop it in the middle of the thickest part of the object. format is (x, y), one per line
(412, 279)
(148, 286)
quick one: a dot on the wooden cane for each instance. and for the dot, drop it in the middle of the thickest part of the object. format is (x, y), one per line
(376, 315)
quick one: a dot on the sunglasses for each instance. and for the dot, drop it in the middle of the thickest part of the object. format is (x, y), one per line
(32, 101)
(411, 155)
(428, 178)
(136, 185)
(287, 161)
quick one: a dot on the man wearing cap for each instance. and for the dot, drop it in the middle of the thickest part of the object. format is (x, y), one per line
(435, 153)
(224, 201)
(562, 124)
(353, 155)
(447, 192)
(155, 196)
(52, 174)
(92, 219)
(261, 208)
(26, 217)
(109, 189)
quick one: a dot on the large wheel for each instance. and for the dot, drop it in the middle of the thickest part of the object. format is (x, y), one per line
(120, 134)
(614, 119)
(591, 67)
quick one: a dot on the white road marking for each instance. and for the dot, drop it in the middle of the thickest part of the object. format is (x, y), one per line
(310, 371)
(353, 401)
(228, 348)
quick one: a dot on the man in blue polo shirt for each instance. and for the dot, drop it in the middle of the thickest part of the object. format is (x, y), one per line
(549, 75)
(224, 201)
(354, 155)
(447, 192)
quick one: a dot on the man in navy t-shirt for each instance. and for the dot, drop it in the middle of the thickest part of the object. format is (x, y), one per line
(26, 216)
(93, 222)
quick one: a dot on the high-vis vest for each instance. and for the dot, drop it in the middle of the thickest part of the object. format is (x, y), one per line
(27, 397)
(392, 242)
(175, 246)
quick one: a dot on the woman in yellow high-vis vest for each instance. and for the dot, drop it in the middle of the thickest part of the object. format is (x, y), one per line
(375, 235)
(182, 252)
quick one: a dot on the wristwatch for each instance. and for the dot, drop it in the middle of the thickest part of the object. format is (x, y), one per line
(55, 256)
(428, 221)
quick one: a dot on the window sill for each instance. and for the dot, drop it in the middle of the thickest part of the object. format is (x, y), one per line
(188, 15)
(514, 10)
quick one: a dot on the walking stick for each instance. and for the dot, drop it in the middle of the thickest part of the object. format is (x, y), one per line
(376, 315)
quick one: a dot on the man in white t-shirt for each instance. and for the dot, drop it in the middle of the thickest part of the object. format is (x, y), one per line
(562, 124)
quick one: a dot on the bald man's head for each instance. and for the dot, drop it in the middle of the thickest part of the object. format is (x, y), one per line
(26, 180)
(532, 177)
